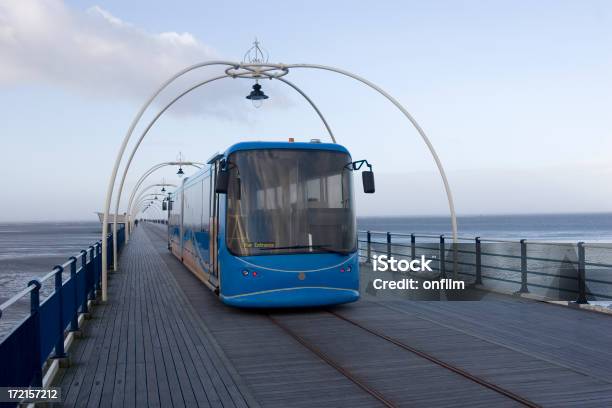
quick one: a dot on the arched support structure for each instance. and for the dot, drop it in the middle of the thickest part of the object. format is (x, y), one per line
(139, 206)
(143, 191)
(253, 71)
(142, 208)
(149, 197)
(146, 174)
(164, 109)
(449, 194)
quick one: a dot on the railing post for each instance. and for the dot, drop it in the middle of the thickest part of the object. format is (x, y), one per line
(109, 252)
(412, 246)
(59, 344)
(99, 264)
(94, 260)
(74, 321)
(369, 247)
(388, 245)
(84, 308)
(478, 262)
(582, 297)
(442, 256)
(35, 314)
(524, 288)
(91, 281)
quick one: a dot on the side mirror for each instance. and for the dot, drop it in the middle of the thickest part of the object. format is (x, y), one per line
(368, 181)
(222, 182)
(170, 205)
(164, 206)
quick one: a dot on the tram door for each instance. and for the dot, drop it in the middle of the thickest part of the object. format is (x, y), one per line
(214, 225)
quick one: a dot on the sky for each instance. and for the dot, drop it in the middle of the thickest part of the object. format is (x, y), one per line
(514, 96)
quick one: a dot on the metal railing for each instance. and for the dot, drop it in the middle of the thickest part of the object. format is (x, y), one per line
(155, 221)
(518, 264)
(40, 335)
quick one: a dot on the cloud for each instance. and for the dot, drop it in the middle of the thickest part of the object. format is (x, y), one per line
(96, 53)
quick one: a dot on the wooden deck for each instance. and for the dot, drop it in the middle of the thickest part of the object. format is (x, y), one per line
(146, 347)
(165, 340)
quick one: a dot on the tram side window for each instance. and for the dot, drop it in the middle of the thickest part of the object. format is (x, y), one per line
(205, 216)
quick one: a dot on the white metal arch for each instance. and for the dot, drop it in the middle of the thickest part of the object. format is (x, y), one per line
(164, 109)
(150, 197)
(144, 177)
(147, 188)
(139, 206)
(142, 208)
(262, 69)
(147, 198)
(142, 199)
(449, 194)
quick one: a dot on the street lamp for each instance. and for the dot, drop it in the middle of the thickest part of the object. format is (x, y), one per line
(256, 55)
(180, 171)
(257, 96)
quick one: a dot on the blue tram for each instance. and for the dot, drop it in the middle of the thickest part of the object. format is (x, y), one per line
(271, 224)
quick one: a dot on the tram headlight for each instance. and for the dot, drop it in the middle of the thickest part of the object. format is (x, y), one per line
(245, 273)
(346, 268)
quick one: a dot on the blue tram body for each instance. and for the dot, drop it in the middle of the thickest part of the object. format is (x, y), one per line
(281, 234)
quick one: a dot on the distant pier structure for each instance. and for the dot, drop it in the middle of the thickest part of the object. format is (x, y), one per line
(121, 218)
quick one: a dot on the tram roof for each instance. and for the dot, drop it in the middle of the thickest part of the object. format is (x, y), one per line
(285, 145)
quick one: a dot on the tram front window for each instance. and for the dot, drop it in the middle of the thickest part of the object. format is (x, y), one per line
(282, 201)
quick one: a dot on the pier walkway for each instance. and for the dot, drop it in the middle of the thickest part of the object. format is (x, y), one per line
(164, 339)
(147, 347)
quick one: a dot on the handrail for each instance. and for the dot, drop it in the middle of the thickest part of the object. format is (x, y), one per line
(381, 242)
(465, 237)
(33, 340)
(16, 297)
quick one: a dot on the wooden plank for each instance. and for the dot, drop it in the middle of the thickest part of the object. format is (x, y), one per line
(142, 349)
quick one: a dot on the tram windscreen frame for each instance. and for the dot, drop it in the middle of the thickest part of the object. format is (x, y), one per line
(290, 201)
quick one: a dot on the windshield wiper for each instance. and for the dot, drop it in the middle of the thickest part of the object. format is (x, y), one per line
(326, 248)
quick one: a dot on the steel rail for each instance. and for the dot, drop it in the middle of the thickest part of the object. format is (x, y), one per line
(331, 362)
(435, 360)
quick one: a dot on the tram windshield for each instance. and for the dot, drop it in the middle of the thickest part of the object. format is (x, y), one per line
(282, 201)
